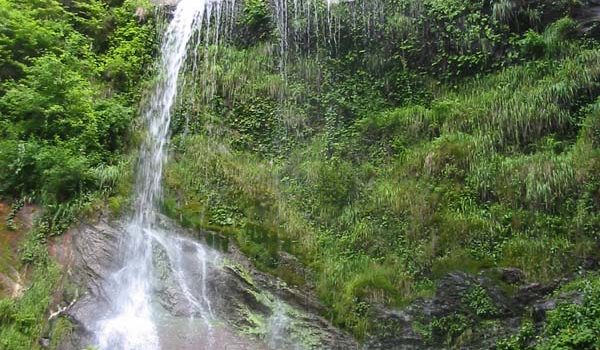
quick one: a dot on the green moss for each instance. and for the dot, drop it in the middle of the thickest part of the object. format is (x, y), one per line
(61, 329)
(241, 271)
(254, 324)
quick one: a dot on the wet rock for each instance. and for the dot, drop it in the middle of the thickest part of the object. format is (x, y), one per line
(395, 328)
(511, 275)
(18, 218)
(246, 302)
(590, 264)
(28, 214)
(450, 293)
(588, 16)
(429, 323)
(44, 342)
(540, 309)
(530, 293)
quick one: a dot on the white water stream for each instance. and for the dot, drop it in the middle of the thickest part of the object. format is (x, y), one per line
(131, 323)
(134, 321)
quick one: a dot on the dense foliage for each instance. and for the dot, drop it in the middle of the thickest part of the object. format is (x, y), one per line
(70, 78)
(379, 143)
(70, 74)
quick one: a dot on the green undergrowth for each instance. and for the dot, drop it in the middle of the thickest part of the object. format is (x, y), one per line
(571, 325)
(574, 325)
(24, 319)
(71, 76)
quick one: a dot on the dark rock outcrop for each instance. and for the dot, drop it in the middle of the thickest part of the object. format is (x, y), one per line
(448, 320)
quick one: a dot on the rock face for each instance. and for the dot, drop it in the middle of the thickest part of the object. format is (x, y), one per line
(15, 222)
(468, 312)
(251, 310)
(256, 311)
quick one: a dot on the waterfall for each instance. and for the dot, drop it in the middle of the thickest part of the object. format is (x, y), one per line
(153, 259)
(130, 323)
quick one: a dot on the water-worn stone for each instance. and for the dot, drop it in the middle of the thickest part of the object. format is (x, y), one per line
(450, 293)
(243, 300)
(528, 294)
(512, 275)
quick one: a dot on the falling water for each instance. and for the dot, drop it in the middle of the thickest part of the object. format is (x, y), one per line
(279, 336)
(133, 319)
(130, 323)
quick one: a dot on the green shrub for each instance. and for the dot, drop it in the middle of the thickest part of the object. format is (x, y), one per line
(19, 173)
(63, 174)
(448, 329)
(256, 21)
(532, 45)
(479, 302)
(22, 320)
(591, 125)
(519, 341)
(559, 35)
(574, 326)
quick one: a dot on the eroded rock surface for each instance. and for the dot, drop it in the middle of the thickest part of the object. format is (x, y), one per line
(247, 309)
(469, 312)
(14, 225)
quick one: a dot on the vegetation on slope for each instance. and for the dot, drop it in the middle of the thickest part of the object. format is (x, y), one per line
(469, 141)
(445, 135)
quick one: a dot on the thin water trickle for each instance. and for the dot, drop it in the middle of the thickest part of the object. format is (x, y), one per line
(278, 324)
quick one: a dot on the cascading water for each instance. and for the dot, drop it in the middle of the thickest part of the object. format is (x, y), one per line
(130, 323)
(162, 294)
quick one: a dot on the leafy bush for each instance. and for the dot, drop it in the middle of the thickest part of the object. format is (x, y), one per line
(575, 326)
(59, 118)
(63, 174)
(22, 321)
(479, 302)
(532, 45)
(255, 21)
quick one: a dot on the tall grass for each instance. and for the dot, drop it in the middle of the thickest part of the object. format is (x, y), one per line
(523, 108)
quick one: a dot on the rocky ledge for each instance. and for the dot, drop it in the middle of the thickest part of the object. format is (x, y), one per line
(471, 312)
(257, 311)
(251, 310)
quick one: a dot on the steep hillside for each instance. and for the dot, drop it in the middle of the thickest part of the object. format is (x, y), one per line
(430, 169)
(446, 136)
(71, 77)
